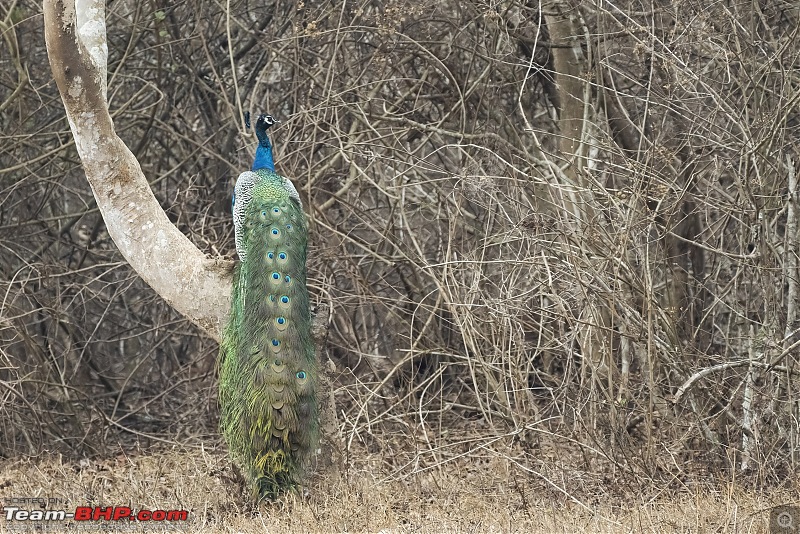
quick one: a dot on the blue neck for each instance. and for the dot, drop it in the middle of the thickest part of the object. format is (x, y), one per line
(263, 159)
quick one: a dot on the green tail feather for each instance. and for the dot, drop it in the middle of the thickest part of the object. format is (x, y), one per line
(268, 369)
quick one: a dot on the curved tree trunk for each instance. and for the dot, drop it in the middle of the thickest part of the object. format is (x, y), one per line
(196, 286)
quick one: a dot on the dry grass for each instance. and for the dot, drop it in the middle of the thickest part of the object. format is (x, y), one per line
(465, 497)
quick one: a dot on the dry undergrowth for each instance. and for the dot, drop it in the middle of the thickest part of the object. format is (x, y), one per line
(466, 496)
(648, 329)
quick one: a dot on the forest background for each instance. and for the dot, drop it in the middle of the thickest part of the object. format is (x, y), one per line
(555, 246)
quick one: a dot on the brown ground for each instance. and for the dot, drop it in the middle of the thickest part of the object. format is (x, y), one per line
(460, 496)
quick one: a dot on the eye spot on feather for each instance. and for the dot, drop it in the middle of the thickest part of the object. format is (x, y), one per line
(276, 211)
(282, 256)
(302, 377)
(275, 345)
(281, 323)
(289, 227)
(285, 299)
(275, 232)
(288, 279)
(272, 298)
(270, 255)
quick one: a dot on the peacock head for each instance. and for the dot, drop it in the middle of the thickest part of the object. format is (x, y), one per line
(264, 158)
(268, 120)
(264, 122)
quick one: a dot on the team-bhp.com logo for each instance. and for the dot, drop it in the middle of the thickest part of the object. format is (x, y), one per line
(87, 513)
(21, 510)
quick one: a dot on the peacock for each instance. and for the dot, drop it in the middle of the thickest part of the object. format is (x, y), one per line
(268, 371)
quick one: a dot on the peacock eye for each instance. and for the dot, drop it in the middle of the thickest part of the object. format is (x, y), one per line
(282, 255)
(276, 210)
(264, 213)
(276, 348)
(288, 226)
(280, 320)
(285, 299)
(301, 375)
(270, 255)
(275, 231)
(288, 279)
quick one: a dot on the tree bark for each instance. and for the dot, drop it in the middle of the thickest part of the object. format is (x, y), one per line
(196, 286)
(570, 66)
